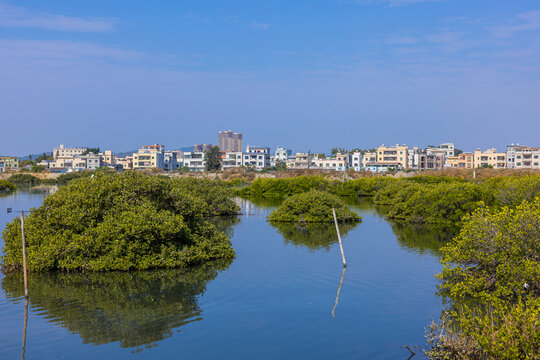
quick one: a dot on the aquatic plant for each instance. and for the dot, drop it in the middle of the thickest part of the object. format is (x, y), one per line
(6, 186)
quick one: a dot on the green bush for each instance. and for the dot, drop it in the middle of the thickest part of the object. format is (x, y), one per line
(443, 203)
(492, 275)
(25, 179)
(368, 186)
(313, 206)
(67, 177)
(6, 186)
(284, 187)
(214, 193)
(512, 190)
(118, 222)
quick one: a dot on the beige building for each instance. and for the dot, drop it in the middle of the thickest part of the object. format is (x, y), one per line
(127, 162)
(63, 151)
(369, 157)
(339, 162)
(108, 158)
(490, 157)
(9, 163)
(396, 155)
(527, 158)
(465, 160)
(231, 159)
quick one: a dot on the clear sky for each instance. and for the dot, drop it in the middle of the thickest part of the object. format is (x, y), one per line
(306, 75)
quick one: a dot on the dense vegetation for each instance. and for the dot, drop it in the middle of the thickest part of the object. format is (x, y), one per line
(313, 206)
(25, 179)
(492, 276)
(6, 186)
(135, 309)
(122, 222)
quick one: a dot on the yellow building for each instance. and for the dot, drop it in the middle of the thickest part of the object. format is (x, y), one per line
(490, 158)
(8, 163)
(396, 155)
(464, 161)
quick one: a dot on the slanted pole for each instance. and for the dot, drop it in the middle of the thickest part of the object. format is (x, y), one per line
(24, 256)
(339, 238)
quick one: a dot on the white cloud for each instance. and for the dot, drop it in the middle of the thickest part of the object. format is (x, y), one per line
(259, 26)
(527, 21)
(19, 17)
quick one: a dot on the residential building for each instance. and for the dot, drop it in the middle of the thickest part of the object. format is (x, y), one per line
(413, 157)
(170, 160)
(257, 157)
(9, 163)
(195, 161)
(355, 161)
(333, 163)
(202, 147)
(511, 155)
(149, 157)
(63, 151)
(448, 149)
(282, 155)
(107, 157)
(527, 158)
(231, 159)
(490, 158)
(369, 157)
(230, 141)
(126, 163)
(396, 155)
(377, 167)
(301, 161)
(431, 161)
(88, 162)
(463, 160)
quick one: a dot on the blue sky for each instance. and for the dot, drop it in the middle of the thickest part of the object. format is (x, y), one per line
(307, 75)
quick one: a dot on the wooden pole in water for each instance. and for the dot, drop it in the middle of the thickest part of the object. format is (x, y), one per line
(24, 329)
(339, 238)
(338, 291)
(24, 256)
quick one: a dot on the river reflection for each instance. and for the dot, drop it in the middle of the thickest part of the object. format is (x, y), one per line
(136, 309)
(423, 238)
(314, 236)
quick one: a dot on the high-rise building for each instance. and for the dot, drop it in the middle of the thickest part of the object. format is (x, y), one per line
(202, 147)
(229, 141)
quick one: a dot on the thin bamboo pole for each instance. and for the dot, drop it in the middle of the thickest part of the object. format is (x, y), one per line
(24, 329)
(339, 238)
(24, 256)
(338, 291)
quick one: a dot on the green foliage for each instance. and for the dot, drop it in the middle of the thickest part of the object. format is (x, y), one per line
(423, 238)
(136, 309)
(95, 150)
(37, 168)
(213, 159)
(512, 190)
(281, 166)
(443, 203)
(313, 206)
(67, 177)
(367, 186)
(6, 186)
(26, 179)
(492, 274)
(120, 222)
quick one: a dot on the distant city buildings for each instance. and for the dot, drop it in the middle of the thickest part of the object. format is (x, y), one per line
(257, 157)
(490, 158)
(202, 147)
(230, 141)
(9, 163)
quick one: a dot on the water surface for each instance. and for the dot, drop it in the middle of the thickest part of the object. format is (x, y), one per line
(274, 301)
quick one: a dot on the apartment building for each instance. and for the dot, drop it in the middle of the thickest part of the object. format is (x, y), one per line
(201, 147)
(413, 157)
(195, 161)
(282, 154)
(489, 157)
(447, 149)
(431, 161)
(149, 157)
(88, 162)
(231, 159)
(301, 161)
(396, 155)
(9, 163)
(463, 160)
(170, 160)
(63, 151)
(339, 162)
(230, 141)
(126, 163)
(107, 157)
(369, 157)
(257, 157)
(527, 158)
(355, 161)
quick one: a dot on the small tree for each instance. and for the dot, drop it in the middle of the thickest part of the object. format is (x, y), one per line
(213, 159)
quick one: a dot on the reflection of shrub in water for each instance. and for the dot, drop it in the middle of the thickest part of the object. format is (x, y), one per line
(225, 223)
(423, 238)
(314, 236)
(134, 308)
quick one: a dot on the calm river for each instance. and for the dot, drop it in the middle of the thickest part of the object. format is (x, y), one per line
(276, 300)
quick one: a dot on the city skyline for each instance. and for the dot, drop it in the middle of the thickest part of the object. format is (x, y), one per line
(310, 75)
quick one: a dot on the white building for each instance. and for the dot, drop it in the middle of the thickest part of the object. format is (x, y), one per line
(231, 159)
(63, 151)
(282, 154)
(448, 149)
(355, 161)
(195, 161)
(257, 157)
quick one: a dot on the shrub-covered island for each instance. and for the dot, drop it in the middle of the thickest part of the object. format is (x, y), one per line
(311, 207)
(6, 186)
(122, 222)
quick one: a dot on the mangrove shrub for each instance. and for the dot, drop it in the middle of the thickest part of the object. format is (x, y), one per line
(313, 206)
(118, 222)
